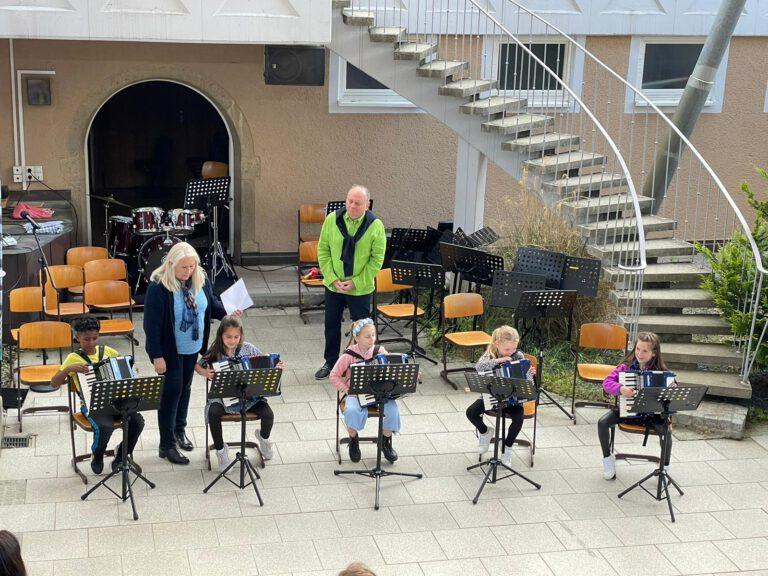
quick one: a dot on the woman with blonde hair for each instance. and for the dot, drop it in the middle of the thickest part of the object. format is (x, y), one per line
(178, 308)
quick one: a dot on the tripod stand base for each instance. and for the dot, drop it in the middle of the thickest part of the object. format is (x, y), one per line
(245, 466)
(125, 471)
(491, 475)
(662, 486)
(377, 474)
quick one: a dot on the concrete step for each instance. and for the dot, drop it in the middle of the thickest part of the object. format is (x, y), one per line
(341, 3)
(414, 51)
(609, 229)
(494, 105)
(357, 17)
(683, 324)
(698, 353)
(717, 383)
(713, 419)
(670, 298)
(518, 123)
(675, 272)
(466, 87)
(541, 142)
(564, 161)
(387, 34)
(585, 183)
(586, 208)
(654, 248)
(441, 68)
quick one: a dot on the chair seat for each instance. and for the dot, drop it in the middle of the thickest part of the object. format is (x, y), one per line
(594, 372)
(75, 289)
(635, 428)
(309, 238)
(399, 310)
(67, 309)
(15, 334)
(249, 417)
(83, 422)
(373, 411)
(115, 326)
(38, 374)
(116, 305)
(529, 410)
(313, 283)
(472, 338)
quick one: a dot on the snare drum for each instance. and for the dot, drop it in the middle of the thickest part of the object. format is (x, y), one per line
(147, 221)
(184, 220)
(153, 252)
(120, 236)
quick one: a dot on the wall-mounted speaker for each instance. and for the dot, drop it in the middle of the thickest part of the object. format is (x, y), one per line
(294, 65)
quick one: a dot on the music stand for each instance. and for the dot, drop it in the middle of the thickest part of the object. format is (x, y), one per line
(537, 261)
(582, 275)
(470, 264)
(508, 287)
(664, 401)
(208, 195)
(243, 384)
(334, 205)
(500, 389)
(417, 275)
(124, 398)
(386, 382)
(483, 237)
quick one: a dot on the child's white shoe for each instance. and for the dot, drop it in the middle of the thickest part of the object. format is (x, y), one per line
(485, 440)
(506, 457)
(265, 445)
(609, 467)
(223, 456)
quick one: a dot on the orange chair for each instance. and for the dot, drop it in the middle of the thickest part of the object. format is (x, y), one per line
(108, 269)
(307, 258)
(27, 300)
(77, 419)
(43, 336)
(310, 214)
(79, 255)
(389, 313)
(455, 307)
(213, 169)
(63, 277)
(112, 296)
(341, 404)
(631, 428)
(596, 336)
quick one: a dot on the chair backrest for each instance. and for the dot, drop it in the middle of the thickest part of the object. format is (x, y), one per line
(65, 276)
(213, 169)
(603, 336)
(463, 305)
(312, 213)
(384, 282)
(109, 269)
(79, 255)
(45, 335)
(533, 360)
(308, 251)
(27, 299)
(107, 293)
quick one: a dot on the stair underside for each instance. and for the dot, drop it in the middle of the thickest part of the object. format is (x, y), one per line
(564, 161)
(494, 105)
(518, 123)
(466, 87)
(541, 142)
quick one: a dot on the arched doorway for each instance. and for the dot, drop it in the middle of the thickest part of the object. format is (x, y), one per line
(143, 145)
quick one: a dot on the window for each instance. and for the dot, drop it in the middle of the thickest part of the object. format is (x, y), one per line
(354, 91)
(668, 66)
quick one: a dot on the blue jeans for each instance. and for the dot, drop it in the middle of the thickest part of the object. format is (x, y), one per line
(355, 415)
(174, 401)
(335, 302)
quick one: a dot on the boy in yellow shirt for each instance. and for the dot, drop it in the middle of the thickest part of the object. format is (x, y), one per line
(87, 332)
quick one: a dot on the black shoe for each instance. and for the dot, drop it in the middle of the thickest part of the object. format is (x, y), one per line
(354, 449)
(97, 463)
(117, 462)
(323, 373)
(173, 455)
(387, 450)
(183, 442)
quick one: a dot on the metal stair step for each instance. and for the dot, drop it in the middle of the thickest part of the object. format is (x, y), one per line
(564, 161)
(387, 34)
(677, 272)
(611, 228)
(494, 105)
(466, 87)
(541, 142)
(717, 383)
(585, 183)
(587, 207)
(670, 298)
(441, 68)
(698, 353)
(683, 324)
(654, 248)
(414, 51)
(357, 17)
(517, 123)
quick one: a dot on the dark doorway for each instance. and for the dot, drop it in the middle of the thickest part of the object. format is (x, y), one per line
(145, 143)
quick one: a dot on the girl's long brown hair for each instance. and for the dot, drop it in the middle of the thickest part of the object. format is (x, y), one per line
(657, 363)
(217, 349)
(10, 555)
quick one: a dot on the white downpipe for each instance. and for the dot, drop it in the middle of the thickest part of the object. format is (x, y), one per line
(12, 62)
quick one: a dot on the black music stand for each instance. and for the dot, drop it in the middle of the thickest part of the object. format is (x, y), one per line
(334, 205)
(470, 264)
(582, 275)
(386, 382)
(412, 244)
(483, 237)
(544, 262)
(417, 275)
(124, 398)
(500, 389)
(664, 401)
(508, 287)
(243, 384)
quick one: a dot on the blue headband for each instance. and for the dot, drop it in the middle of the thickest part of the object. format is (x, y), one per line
(360, 324)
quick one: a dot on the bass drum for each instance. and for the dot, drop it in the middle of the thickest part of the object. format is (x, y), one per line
(153, 252)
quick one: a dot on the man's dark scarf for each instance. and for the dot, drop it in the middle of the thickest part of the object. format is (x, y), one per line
(348, 247)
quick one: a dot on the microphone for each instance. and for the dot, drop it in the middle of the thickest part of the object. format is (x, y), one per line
(28, 218)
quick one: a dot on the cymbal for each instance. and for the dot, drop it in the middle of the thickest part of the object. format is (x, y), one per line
(111, 200)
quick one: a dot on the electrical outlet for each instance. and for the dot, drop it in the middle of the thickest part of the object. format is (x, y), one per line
(18, 173)
(34, 173)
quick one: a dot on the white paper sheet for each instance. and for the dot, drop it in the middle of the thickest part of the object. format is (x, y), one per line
(236, 297)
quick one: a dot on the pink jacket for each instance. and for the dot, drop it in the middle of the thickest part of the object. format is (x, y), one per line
(611, 383)
(340, 372)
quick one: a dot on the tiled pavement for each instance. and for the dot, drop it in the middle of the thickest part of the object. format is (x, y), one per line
(314, 522)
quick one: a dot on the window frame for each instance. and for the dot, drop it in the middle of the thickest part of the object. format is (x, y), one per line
(361, 101)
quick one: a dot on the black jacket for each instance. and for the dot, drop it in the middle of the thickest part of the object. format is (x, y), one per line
(159, 320)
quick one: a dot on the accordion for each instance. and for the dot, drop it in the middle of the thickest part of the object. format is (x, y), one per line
(639, 380)
(367, 399)
(515, 369)
(246, 362)
(119, 368)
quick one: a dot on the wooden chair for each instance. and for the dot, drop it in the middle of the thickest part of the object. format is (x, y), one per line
(78, 420)
(213, 169)
(309, 214)
(341, 404)
(63, 277)
(26, 300)
(455, 307)
(107, 269)
(389, 313)
(306, 259)
(631, 428)
(43, 336)
(596, 336)
(112, 296)
(79, 255)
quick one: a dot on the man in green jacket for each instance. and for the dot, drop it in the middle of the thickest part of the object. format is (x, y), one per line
(350, 253)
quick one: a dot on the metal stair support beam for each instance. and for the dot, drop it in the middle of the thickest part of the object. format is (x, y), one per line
(471, 172)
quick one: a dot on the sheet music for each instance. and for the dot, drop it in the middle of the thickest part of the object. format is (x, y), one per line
(108, 369)
(236, 297)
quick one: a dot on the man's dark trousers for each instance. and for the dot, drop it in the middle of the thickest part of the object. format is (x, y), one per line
(335, 302)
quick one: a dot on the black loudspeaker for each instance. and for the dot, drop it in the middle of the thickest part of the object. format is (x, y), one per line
(294, 65)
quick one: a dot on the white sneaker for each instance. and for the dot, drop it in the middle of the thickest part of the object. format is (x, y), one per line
(506, 457)
(223, 456)
(609, 467)
(485, 440)
(265, 445)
